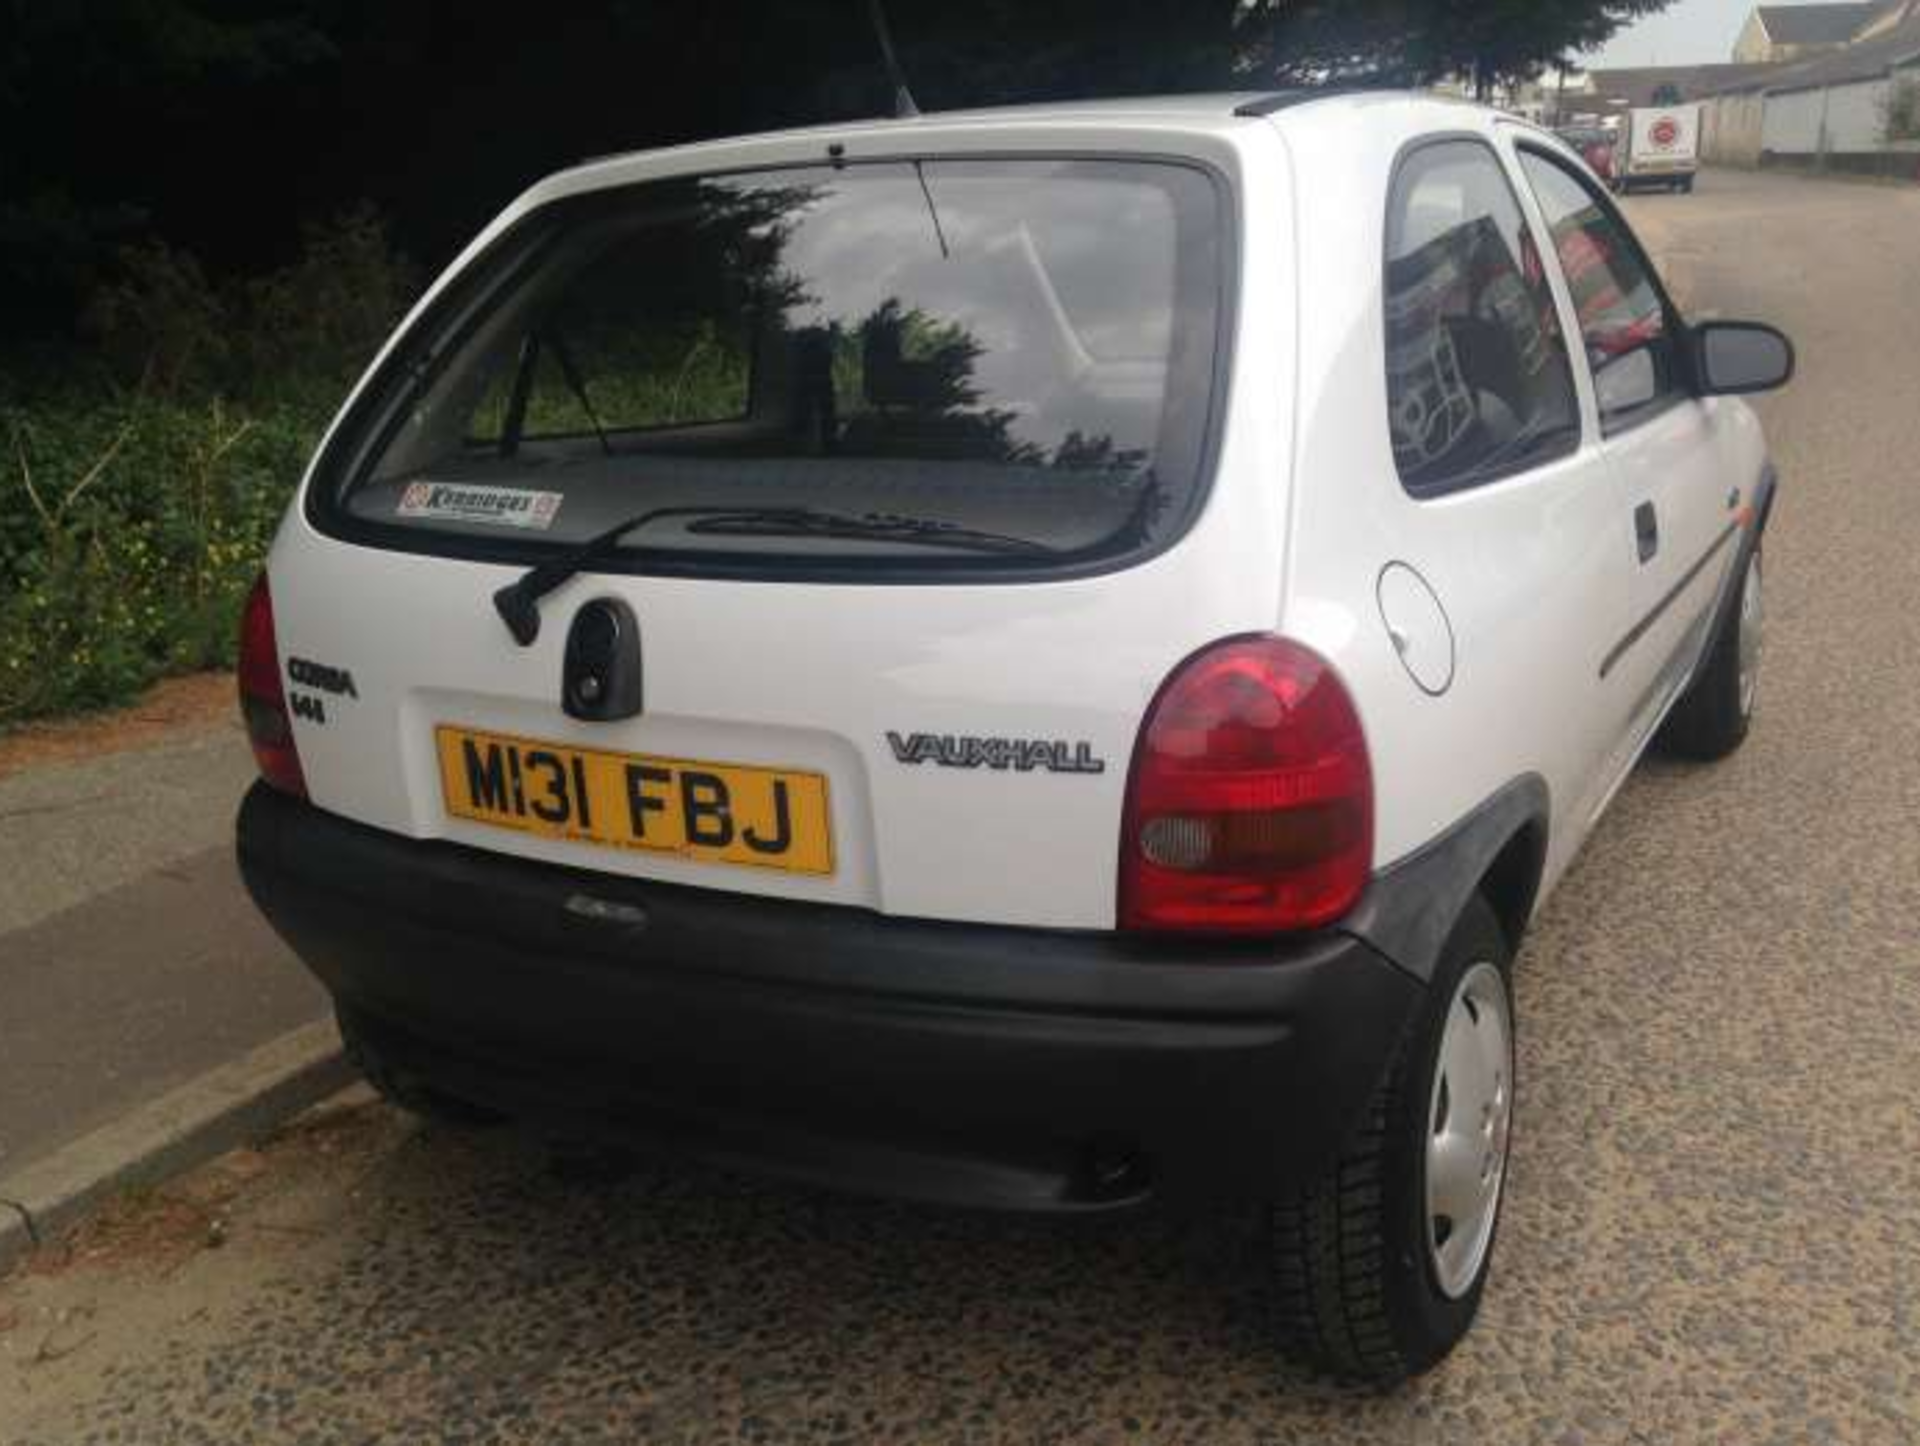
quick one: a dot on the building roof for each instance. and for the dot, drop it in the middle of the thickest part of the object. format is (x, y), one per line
(1613, 90)
(1864, 60)
(1888, 14)
(1816, 24)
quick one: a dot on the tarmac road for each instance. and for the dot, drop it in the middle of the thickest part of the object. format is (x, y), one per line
(1714, 1227)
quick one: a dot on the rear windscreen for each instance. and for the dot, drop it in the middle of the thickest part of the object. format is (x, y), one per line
(1015, 350)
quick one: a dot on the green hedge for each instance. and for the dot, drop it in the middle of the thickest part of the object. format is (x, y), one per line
(129, 534)
(142, 478)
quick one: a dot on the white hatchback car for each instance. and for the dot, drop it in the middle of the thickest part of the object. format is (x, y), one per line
(1040, 659)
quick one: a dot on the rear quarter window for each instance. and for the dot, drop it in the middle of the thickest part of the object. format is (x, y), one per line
(1479, 383)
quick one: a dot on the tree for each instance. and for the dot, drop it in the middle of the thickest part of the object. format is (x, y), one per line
(1416, 42)
(1900, 111)
(998, 50)
(221, 126)
(88, 95)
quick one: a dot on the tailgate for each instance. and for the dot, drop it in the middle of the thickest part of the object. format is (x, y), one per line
(971, 743)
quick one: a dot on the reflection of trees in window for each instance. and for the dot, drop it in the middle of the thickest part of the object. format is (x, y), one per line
(659, 323)
(737, 245)
(909, 380)
(689, 313)
(915, 393)
(1086, 453)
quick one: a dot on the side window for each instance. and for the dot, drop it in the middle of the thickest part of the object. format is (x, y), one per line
(1623, 322)
(1479, 385)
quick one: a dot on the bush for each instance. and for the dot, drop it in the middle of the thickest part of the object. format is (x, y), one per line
(163, 327)
(132, 533)
(1900, 111)
(302, 334)
(138, 498)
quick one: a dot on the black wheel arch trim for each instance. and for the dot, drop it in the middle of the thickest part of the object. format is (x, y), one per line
(1762, 505)
(1763, 491)
(1411, 907)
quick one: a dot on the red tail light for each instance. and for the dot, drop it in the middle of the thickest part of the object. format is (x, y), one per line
(263, 698)
(1250, 805)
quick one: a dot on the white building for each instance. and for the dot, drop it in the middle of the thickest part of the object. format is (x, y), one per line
(1779, 34)
(1855, 108)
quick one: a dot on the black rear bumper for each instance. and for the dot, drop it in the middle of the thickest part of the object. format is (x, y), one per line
(1021, 1068)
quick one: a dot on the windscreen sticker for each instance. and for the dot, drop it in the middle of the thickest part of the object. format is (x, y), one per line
(505, 506)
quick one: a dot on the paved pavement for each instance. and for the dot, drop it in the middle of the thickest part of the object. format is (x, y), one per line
(74, 831)
(1714, 1231)
(130, 959)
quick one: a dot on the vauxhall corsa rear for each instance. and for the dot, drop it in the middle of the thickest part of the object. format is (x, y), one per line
(930, 657)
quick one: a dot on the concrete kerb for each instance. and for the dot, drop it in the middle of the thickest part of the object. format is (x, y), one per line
(228, 1106)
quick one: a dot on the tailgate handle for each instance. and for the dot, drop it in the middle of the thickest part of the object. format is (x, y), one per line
(600, 673)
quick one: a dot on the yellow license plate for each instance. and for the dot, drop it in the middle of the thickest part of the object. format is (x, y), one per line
(723, 813)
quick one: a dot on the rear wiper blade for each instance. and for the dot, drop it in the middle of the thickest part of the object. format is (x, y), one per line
(876, 526)
(518, 603)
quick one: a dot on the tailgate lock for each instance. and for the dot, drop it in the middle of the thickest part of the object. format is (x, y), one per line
(600, 678)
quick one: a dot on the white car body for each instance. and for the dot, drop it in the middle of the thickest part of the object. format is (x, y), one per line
(964, 1001)
(1303, 514)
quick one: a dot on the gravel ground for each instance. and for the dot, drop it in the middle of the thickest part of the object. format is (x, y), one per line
(1714, 1227)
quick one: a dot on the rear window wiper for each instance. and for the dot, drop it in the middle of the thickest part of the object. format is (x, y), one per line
(518, 603)
(875, 526)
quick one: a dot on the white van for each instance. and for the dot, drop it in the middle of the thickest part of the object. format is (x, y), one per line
(1039, 659)
(1662, 148)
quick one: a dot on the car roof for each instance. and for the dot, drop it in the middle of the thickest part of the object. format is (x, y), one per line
(1205, 113)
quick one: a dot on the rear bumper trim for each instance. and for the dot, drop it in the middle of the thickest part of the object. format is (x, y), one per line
(963, 1063)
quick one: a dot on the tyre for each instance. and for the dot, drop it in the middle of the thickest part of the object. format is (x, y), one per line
(398, 1087)
(1686, 186)
(1713, 715)
(1380, 1264)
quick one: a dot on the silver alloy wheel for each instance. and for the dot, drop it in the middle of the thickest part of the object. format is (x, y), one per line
(1469, 1120)
(1752, 635)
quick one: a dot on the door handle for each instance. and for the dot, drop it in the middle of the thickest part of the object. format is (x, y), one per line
(1646, 530)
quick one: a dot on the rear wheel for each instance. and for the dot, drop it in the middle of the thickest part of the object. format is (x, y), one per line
(1380, 1264)
(1713, 715)
(400, 1087)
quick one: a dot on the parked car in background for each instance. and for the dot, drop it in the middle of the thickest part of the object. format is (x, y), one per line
(1595, 145)
(1660, 147)
(1040, 659)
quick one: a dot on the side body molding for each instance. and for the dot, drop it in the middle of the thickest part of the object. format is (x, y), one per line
(1410, 908)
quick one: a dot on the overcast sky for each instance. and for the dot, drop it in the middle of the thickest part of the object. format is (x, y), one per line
(1688, 32)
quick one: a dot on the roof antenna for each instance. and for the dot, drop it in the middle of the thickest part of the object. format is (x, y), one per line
(903, 106)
